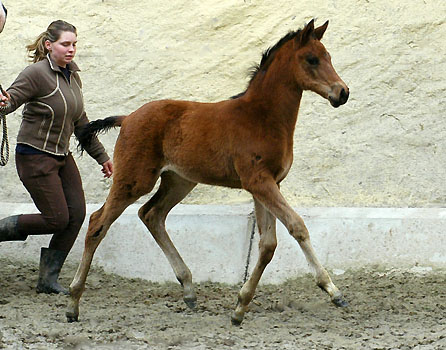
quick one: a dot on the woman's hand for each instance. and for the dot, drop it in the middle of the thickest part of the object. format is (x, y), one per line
(4, 97)
(107, 168)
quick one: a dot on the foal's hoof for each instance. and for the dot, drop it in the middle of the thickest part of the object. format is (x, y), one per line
(340, 301)
(71, 317)
(191, 302)
(72, 313)
(236, 321)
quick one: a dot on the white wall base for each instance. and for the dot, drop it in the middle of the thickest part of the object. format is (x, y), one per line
(214, 241)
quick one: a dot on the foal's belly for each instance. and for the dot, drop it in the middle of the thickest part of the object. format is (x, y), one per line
(205, 176)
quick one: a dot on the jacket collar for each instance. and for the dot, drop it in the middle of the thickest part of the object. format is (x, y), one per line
(72, 66)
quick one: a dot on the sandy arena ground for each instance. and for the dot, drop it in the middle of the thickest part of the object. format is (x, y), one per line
(389, 309)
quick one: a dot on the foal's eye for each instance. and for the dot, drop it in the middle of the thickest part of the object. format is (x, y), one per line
(313, 61)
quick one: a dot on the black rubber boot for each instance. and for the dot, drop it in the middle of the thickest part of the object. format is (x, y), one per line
(8, 229)
(51, 262)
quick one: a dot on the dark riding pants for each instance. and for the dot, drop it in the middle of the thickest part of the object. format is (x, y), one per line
(55, 186)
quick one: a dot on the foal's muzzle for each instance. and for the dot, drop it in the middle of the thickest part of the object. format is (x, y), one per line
(338, 96)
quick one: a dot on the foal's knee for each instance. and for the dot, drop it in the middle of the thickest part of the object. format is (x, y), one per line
(144, 213)
(298, 230)
(150, 216)
(95, 226)
(267, 249)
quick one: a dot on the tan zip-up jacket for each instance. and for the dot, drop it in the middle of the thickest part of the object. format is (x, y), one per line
(54, 108)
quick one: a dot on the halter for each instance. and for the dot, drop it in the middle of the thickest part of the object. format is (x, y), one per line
(4, 148)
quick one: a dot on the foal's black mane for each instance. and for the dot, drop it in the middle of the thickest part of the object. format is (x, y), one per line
(267, 58)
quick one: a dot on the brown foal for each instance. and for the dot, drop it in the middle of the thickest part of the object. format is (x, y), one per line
(245, 142)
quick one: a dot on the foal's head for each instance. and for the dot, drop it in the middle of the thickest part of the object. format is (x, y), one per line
(312, 68)
(301, 59)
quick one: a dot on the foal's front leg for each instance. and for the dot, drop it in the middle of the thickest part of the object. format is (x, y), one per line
(267, 245)
(267, 192)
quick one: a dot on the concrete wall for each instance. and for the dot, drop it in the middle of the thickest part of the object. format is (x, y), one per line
(217, 242)
(385, 148)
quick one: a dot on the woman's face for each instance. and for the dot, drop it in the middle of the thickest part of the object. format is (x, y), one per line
(63, 50)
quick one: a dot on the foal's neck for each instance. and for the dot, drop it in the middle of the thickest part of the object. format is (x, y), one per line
(278, 101)
(276, 90)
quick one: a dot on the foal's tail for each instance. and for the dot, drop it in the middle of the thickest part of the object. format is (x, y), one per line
(87, 132)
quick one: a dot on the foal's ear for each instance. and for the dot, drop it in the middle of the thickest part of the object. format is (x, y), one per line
(319, 31)
(307, 32)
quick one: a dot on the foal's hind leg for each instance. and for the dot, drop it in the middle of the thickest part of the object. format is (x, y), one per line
(172, 190)
(124, 192)
(267, 245)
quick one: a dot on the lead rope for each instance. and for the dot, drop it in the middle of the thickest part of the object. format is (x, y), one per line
(251, 239)
(4, 148)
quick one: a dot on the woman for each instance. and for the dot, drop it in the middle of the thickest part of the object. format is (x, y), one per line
(51, 90)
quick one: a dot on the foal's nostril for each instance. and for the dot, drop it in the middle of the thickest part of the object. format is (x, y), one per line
(344, 94)
(338, 96)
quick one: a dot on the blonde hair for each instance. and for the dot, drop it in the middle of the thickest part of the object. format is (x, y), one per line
(37, 50)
